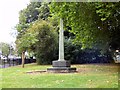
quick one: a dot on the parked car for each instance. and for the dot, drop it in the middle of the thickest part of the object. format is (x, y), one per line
(117, 56)
(3, 57)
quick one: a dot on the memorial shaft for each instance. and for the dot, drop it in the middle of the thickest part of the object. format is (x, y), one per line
(61, 65)
(61, 41)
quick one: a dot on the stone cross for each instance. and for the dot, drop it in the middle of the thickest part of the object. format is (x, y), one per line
(61, 42)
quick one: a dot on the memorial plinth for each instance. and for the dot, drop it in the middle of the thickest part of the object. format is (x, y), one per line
(61, 65)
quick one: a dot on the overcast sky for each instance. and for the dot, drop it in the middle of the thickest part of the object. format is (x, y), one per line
(9, 17)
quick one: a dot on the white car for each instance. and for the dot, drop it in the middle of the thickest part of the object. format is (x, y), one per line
(117, 59)
(3, 58)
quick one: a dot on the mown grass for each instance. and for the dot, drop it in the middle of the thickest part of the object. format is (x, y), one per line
(88, 76)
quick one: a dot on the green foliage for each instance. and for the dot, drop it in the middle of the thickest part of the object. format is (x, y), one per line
(88, 24)
(44, 11)
(35, 34)
(47, 44)
(41, 39)
(5, 48)
(26, 41)
(110, 16)
(91, 23)
(71, 50)
(33, 12)
(104, 10)
(27, 17)
(77, 16)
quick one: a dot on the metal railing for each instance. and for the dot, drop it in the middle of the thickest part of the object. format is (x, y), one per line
(4, 63)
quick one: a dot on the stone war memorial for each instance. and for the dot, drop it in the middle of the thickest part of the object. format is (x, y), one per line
(61, 65)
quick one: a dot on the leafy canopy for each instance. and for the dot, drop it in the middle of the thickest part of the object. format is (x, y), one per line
(93, 24)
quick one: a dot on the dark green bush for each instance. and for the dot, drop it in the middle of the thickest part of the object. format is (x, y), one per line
(71, 51)
(47, 44)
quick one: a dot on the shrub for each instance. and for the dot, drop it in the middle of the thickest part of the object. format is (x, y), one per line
(47, 43)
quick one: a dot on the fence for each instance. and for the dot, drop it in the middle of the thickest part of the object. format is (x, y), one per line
(13, 62)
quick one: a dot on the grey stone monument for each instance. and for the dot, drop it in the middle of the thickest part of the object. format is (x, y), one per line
(61, 65)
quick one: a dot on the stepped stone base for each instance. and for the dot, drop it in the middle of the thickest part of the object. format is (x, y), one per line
(61, 63)
(61, 67)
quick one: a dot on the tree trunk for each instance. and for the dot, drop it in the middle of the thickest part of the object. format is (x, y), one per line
(23, 59)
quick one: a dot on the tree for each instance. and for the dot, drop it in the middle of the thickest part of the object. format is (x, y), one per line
(93, 24)
(33, 12)
(28, 16)
(47, 42)
(5, 47)
(110, 17)
(37, 38)
(24, 43)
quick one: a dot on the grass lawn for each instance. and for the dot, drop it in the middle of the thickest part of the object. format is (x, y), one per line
(88, 76)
